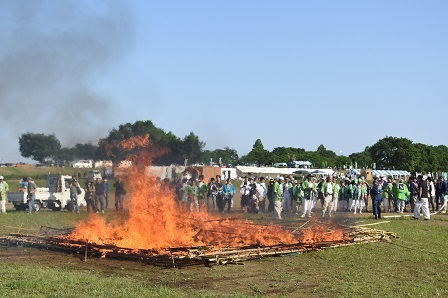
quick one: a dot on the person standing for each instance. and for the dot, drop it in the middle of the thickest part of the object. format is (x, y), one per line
(296, 196)
(119, 194)
(336, 191)
(261, 187)
(327, 190)
(228, 191)
(212, 192)
(4, 188)
(278, 198)
(74, 186)
(270, 195)
(245, 191)
(388, 194)
(431, 193)
(309, 192)
(90, 196)
(31, 195)
(106, 191)
(194, 203)
(440, 193)
(422, 200)
(99, 195)
(413, 188)
(377, 197)
(287, 197)
(202, 192)
(401, 193)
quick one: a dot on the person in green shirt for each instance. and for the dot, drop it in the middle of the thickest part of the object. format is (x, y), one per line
(278, 198)
(4, 188)
(401, 194)
(309, 194)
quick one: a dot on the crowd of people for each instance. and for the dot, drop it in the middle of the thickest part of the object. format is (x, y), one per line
(316, 194)
(97, 194)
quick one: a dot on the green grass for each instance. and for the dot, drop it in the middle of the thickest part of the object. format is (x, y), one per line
(413, 265)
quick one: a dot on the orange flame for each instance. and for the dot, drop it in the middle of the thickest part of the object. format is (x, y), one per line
(155, 219)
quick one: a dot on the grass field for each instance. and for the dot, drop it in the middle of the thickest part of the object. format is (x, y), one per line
(413, 265)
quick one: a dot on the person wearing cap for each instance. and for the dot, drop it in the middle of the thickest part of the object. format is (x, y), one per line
(401, 194)
(343, 205)
(377, 197)
(359, 195)
(31, 195)
(309, 192)
(387, 194)
(422, 200)
(270, 194)
(296, 196)
(327, 190)
(336, 192)
(4, 188)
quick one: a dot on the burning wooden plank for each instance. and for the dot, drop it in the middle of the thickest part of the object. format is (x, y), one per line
(187, 256)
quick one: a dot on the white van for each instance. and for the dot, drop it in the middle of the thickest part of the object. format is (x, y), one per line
(83, 164)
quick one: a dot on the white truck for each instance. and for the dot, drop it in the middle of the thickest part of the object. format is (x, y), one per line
(55, 196)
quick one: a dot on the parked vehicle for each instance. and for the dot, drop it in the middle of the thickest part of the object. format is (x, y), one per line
(86, 163)
(103, 164)
(55, 196)
(93, 174)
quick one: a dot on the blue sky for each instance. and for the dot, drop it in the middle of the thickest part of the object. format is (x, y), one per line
(344, 74)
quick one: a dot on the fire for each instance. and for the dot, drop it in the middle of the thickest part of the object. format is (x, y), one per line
(323, 232)
(154, 219)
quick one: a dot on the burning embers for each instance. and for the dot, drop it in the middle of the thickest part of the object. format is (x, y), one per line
(314, 237)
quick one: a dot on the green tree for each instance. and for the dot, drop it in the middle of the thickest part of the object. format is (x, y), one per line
(362, 159)
(39, 147)
(258, 155)
(227, 156)
(395, 153)
(192, 148)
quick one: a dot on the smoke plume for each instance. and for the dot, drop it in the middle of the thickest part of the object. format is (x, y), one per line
(51, 53)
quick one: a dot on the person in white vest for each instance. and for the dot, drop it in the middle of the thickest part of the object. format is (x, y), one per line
(287, 198)
(327, 190)
(336, 190)
(309, 191)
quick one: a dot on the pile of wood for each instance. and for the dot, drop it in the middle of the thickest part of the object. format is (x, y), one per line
(54, 239)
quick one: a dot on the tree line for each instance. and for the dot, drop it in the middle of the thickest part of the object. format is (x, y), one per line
(167, 148)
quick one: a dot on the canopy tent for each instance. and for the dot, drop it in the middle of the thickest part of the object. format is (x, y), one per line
(393, 173)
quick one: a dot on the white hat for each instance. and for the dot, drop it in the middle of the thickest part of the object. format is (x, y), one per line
(1, 177)
(281, 178)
